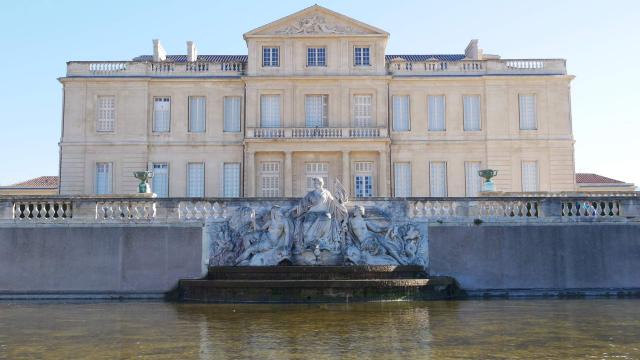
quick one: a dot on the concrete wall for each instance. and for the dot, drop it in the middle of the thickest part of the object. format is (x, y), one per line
(590, 256)
(106, 259)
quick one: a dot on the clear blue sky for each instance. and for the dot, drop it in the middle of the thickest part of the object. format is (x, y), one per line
(600, 40)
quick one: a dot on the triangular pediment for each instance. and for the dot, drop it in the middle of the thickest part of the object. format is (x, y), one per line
(315, 21)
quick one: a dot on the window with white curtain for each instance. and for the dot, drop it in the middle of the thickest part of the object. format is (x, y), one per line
(106, 114)
(231, 180)
(436, 111)
(270, 56)
(232, 110)
(315, 107)
(270, 111)
(401, 115)
(160, 179)
(529, 176)
(197, 113)
(316, 169)
(104, 178)
(161, 114)
(195, 179)
(316, 57)
(402, 179)
(471, 105)
(270, 178)
(438, 178)
(362, 111)
(363, 178)
(473, 181)
(528, 118)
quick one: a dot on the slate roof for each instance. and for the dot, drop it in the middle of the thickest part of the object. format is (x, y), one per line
(588, 178)
(243, 58)
(42, 182)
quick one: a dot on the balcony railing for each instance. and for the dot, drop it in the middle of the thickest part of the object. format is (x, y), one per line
(156, 69)
(316, 133)
(399, 66)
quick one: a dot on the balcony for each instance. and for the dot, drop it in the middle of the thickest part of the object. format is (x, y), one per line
(316, 133)
(400, 67)
(154, 69)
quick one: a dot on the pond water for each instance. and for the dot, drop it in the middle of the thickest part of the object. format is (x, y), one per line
(472, 329)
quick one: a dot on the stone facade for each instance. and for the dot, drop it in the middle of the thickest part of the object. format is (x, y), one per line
(381, 124)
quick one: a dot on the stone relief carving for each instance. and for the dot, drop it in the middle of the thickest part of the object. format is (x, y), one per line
(317, 230)
(317, 25)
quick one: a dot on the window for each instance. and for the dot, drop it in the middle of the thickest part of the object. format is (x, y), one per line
(270, 111)
(270, 178)
(316, 57)
(362, 111)
(160, 179)
(361, 56)
(315, 107)
(436, 113)
(195, 179)
(528, 120)
(402, 179)
(106, 114)
(473, 181)
(312, 170)
(270, 56)
(197, 110)
(438, 178)
(529, 176)
(161, 114)
(104, 178)
(231, 180)
(471, 104)
(401, 115)
(363, 179)
(232, 113)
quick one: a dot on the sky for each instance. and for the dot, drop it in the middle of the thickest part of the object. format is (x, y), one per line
(599, 39)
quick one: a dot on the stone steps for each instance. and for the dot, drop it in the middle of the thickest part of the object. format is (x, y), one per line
(314, 272)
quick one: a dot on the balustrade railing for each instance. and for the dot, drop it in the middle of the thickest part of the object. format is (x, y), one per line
(315, 133)
(125, 210)
(137, 68)
(400, 66)
(42, 210)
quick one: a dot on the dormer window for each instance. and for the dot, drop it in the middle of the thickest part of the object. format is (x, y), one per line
(316, 57)
(361, 56)
(270, 56)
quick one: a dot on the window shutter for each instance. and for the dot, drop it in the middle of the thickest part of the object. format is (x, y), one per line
(195, 179)
(473, 181)
(528, 117)
(161, 114)
(316, 110)
(436, 113)
(362, 111)
(402, 179)
(529, 176)
(231, 180)
(197, 113)
(270, 111)
(270, 178)
(438, 178)
(106, 114)
(401, 118)
(232, 108)
(471, 112)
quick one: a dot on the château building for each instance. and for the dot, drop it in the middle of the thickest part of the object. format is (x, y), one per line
(316, 95)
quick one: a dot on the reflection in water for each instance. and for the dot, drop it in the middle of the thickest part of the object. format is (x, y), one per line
(412, 330)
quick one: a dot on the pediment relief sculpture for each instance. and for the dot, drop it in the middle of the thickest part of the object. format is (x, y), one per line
(317, 24)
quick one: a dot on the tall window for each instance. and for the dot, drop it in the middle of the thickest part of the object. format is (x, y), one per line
(473, 181)
(362, 111)
(528, 118)
(363, 178)
(270, 56)
(438, 178)
(436, 113)
(160, 179)
(161, 114)
(316, 57)
(231, 180)
(315, 107)
(197, 111)
(402, 179)
(232, 113)
(270, 111)
(471, 104)
(361, 56)
(401, 115)
(195, 179)
(316, 169)
(106, 114)
(529, 176)
(104, 178)
(270, 178)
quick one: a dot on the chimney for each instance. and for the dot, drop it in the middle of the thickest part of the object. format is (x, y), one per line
(158, 51)
(472, 52)
(192, 51)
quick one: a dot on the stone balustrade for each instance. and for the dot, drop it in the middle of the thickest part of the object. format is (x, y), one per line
(316, 133)
(399, 66)
(155, 69)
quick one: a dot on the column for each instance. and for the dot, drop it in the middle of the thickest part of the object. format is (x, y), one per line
(249, 173)
(346, 170)
(288, 174)
(383, 172)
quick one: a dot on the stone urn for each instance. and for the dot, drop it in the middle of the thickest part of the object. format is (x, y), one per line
(487, 175)
(143, 176)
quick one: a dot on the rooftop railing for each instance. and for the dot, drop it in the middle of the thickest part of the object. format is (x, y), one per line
(155, 69)
(316, 133)
(400, 66)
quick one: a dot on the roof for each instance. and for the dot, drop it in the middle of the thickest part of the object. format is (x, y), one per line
(243, 58)
(42, 182)
(588, 178)
(416, 58)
